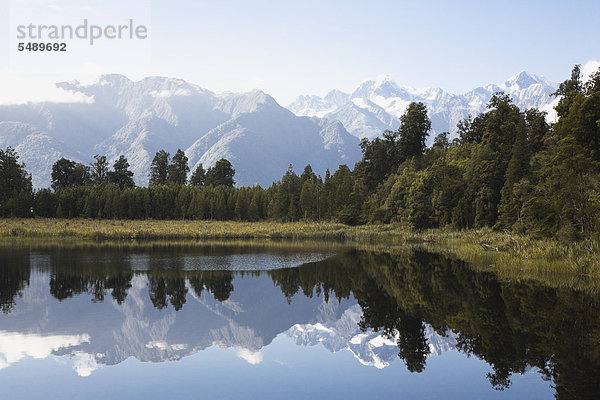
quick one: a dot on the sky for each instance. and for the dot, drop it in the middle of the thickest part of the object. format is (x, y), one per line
(288, 48)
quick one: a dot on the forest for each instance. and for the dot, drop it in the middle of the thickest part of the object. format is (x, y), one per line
(508, 169)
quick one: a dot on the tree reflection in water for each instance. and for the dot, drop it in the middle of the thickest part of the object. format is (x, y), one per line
(512, 325)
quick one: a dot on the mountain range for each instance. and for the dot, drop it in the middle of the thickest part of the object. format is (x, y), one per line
(260, 137)
(377, 104)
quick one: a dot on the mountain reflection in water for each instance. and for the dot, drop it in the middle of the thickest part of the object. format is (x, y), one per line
(102, 306)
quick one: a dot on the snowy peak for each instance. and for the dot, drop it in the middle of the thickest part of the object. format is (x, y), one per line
(336, 97)
(378, 81)
(382, 85)
(376, 104)
(249, 102)
(315, 106)
(109, 87)
(524, 80)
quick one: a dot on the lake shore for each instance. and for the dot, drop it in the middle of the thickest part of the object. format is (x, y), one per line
(511, 255)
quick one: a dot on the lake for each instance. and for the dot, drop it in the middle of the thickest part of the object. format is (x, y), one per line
(276, 320)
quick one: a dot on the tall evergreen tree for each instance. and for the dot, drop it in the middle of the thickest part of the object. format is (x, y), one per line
(99, 172)
(518, 167)
(121, 175)
(221, 174)
(14, 178)
(579, 112)
(159, 168)
(308, 200)
(67, 173)
(308, 175)
(198, 176)
(178, 169)
(470, 130)
(414, 128)
(381, 157)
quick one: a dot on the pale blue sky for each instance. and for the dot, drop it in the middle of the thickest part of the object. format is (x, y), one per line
(289, 48)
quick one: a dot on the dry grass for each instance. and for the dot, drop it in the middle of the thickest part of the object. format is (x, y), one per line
(184, 229)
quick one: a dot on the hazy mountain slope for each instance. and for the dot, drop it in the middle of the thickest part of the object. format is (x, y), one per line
(137, 119)
(262, 143)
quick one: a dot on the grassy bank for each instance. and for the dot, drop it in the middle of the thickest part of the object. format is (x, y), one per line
(511, 255)
(183, 229)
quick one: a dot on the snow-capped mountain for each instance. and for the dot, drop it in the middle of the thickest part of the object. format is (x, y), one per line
(370, 348)
(136, 119)
(252, 130)
(377, 104)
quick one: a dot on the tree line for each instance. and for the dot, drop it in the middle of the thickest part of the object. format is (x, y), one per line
(507, 169)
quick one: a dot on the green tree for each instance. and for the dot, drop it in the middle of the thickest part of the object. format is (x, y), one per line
(198, 176)
(45, 203)
(414, 128)
(518, 167)
(308, 175)
(159, 168)
(254, 207)
(537, 130)
(121, 175)
(562, 197)
(99, 170)
(579, 112)
(568, 91)
(67, 173)
(178, 169)
(13, 176)
(470, 130)
(381, 157)
(221, 174)
(308, 200)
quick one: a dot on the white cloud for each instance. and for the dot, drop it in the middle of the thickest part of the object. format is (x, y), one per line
(589, 68)
(84, 364)
(23, 88)
(15, 346)
(252, 357)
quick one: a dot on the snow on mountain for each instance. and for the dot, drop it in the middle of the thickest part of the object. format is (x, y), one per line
(370, 348)
(36, 149)
(137, 119)
(377, 104)
(315, 106)
(263, 142)
(259, 137)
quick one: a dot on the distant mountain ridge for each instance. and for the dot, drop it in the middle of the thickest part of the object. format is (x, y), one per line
(377, 104)
(136, 119)
(259, 137)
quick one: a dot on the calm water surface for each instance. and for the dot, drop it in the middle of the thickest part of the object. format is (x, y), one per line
(264, 321)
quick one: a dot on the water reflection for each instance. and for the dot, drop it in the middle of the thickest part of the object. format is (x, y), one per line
(106, 305)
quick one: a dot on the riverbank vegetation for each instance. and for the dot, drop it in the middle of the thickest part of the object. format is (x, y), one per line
(506, 252)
